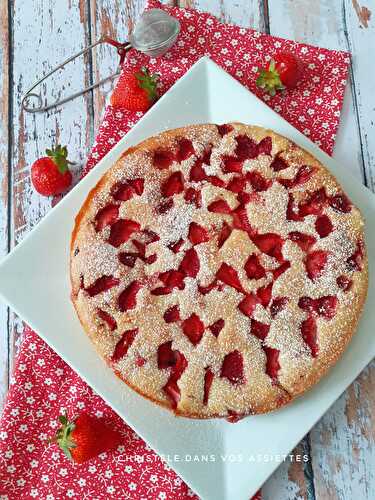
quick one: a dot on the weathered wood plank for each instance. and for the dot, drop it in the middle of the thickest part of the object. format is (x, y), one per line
(360, 29)
(114, 19)
(250, 14)
(289, 481)
(363, 13)
(343, 448)
(4, 191)
(44, 35)
(342, 444)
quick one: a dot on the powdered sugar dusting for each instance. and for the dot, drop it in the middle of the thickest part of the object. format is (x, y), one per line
(97, 259)
(174, 224)
(223, 301)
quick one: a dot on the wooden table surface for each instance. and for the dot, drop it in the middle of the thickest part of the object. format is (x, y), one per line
(35, 35)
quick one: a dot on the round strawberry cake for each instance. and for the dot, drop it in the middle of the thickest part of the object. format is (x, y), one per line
(219, 270)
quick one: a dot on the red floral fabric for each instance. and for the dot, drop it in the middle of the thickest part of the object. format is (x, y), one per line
(43, 386)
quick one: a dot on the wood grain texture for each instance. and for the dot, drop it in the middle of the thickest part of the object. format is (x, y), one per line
(343, 451)
(363, 13)
(4, 188)
(361, 43)
(247, 13)
(44, 35)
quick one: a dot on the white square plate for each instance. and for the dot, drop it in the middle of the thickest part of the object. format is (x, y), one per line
(34, 281)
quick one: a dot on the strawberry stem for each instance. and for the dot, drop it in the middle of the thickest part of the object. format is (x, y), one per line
(148, 82)
(269, 79)
(63, 436)
(59, 156)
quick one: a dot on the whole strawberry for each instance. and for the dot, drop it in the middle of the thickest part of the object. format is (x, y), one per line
(284, 71)
(50, 175)
(136, 90)
(85, 437)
